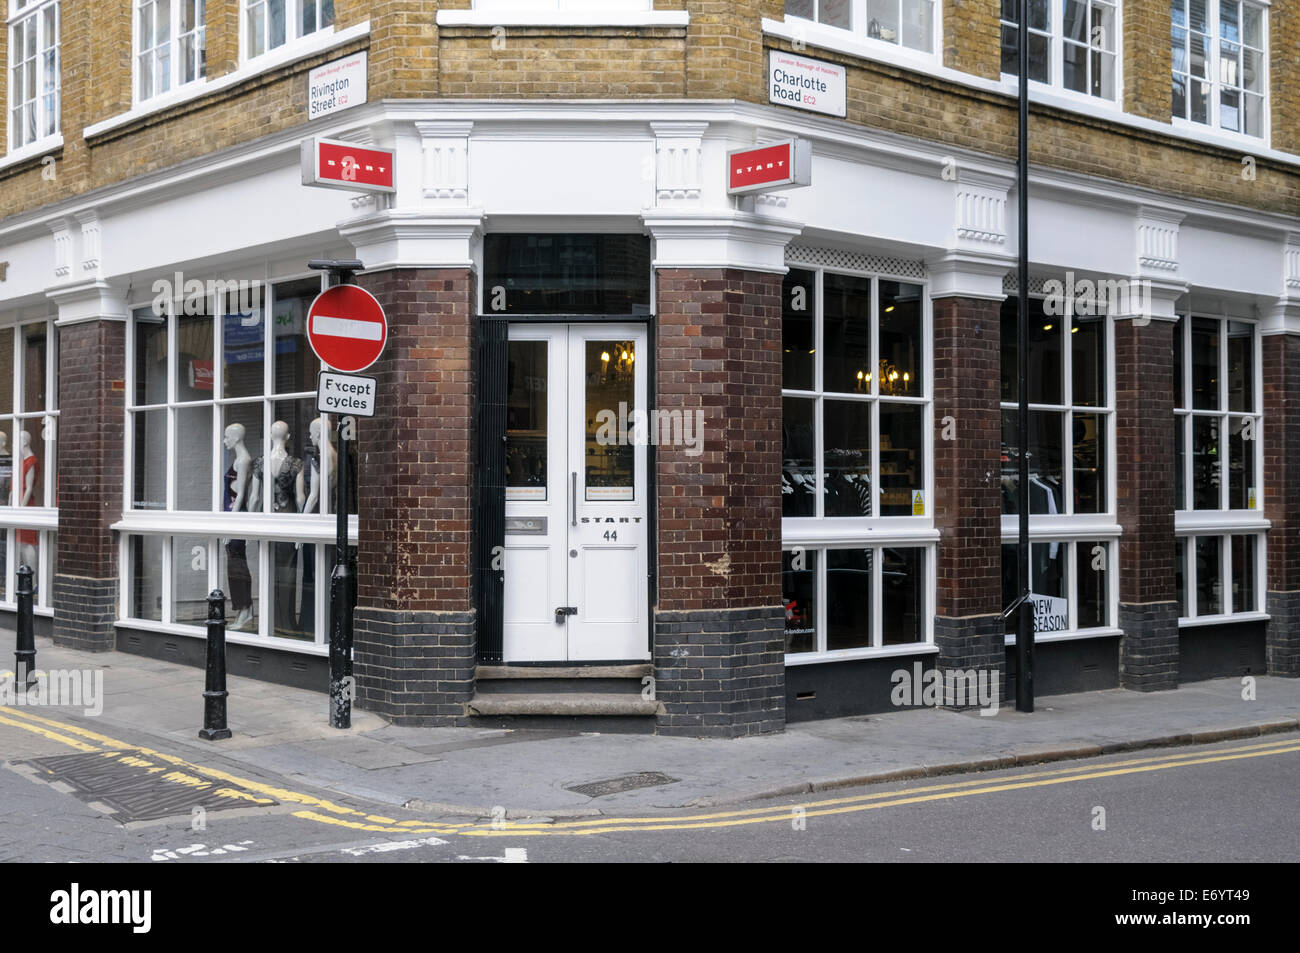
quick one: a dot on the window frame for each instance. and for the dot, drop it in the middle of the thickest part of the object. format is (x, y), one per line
(1221, 522)
(261, 529)
(20, 13)
(859, 24)
(293, 34)
(1213, 115)
(819, 534)
(40, 519)
(1069, 527)
(1056, 54)
(173, 46)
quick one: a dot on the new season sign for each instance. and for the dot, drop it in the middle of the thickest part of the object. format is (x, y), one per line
(804, 83)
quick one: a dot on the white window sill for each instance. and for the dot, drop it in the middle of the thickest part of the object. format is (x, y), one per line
(1223, 619)
(842, 41)
(1048, 94)
(318, 42)
(1219, 522)
(524, 17)
(1207, 133)
(33, 149)
(233, 636)
(838, 532)
(1071, 635)
(29, 517)
(849, 655)
(1045, 527)
(294, 527)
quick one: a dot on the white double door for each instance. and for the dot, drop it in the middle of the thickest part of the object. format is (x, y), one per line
(576, 494)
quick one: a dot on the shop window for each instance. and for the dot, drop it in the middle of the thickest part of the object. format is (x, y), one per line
(222, 431)
(29, 420)
(1069, 416)
(270, 24)
(1073, 44)
(566, 274)
(866, 382)
(1216, 415)
(909, 24)
(1069, 584)
(34, 71)
(1220, 64)
(854, 599)
(170, 45)
(1218, 576)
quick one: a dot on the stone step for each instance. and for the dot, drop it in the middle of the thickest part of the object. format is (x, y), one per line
(637, 671)
(569, 704)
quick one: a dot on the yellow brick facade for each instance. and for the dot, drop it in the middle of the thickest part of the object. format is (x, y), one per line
(720, 55)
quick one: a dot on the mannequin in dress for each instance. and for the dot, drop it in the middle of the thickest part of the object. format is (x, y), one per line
(282, 470)
(28, 467)
(238, 478)
(309, 498)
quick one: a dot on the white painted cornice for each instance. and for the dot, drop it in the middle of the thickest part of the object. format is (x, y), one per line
(92, 300)
(422, 238)
(965, 273)
(719, 240)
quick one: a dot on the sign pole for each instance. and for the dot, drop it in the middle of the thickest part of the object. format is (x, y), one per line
(341, 582)
(1025, 617)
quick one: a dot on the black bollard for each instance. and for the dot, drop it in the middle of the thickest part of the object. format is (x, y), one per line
(25, 649)
(214, 694)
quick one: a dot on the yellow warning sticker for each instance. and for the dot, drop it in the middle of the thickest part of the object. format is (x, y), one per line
(918, 503)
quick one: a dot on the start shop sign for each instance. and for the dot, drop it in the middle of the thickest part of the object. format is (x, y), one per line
(805, 83)
(769, 167)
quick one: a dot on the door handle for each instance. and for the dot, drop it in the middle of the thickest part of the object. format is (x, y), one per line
(573, 498)
(562, 611)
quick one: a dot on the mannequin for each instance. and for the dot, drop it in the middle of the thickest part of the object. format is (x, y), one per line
(309, 492)
(236, 498)
(28, 466)
(282, 470)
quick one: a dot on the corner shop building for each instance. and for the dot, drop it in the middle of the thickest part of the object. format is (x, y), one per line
(828, 505)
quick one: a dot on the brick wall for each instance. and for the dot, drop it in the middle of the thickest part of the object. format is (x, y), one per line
(1281, 502)
(91, 424)
(415, 618)
(1144, 455)
(418, 461)
(720, 55)
(719, 625)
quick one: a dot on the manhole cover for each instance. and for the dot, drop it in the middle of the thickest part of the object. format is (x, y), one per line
(628, 782)
(134, 788)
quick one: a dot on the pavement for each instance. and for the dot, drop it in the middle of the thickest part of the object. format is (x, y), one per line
(482, 772)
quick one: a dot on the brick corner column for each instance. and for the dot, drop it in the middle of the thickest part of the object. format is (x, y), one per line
(1144, 458)
(415, 647)
(92, 419)
(968, 626)
(1281, 501)
(719, 625)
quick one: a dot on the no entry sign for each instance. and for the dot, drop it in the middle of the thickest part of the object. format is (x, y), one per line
(347, 328)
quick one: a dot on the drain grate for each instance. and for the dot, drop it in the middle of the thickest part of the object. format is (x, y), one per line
(133, 788)
(627, 782)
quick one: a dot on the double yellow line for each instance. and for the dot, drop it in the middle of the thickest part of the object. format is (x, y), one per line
(323, 811)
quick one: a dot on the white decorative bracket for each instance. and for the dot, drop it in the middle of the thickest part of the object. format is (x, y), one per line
(1157, 242)
(678, 161)
(90, 243)
(980, 218)
(62, 231)
(445, 147)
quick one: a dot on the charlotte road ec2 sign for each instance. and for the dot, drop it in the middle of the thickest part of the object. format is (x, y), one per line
(769, 167)
(345, 394)
(815, 85)
(334, 164)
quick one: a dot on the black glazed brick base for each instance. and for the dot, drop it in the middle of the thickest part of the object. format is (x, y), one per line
(416, 668)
